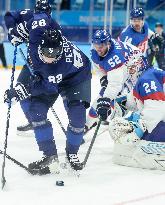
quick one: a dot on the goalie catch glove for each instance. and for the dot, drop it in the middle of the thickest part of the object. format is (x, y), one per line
(103, 108)
(127, 130)
(16, 94)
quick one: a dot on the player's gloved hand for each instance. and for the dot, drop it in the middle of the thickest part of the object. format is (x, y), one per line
(104, 81)
(14, 38)
(103, 108)
(16, 94)
(23, 31)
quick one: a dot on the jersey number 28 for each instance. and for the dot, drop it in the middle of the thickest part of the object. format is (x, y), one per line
(41, 22)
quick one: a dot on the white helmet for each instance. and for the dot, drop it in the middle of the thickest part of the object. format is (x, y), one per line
(135, 64)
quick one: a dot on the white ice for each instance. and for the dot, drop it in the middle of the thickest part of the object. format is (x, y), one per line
(101, 182)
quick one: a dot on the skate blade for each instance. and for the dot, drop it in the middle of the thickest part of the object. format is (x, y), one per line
(25, 133)
(66, 166)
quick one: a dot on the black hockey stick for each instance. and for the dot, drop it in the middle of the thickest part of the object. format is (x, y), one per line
(3, 180)
(91, 144)
(18, 163)
(58, 120)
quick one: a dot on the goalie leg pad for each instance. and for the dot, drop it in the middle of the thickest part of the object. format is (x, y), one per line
(142, 154)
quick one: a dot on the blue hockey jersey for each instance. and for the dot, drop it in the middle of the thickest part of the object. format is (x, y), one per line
(115, 57)
(37, 26)
(150, 85)
(138, 39)
(18, 21)
(73, 68)
(27, 22)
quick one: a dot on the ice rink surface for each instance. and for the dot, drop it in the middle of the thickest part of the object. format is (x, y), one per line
(101, 182)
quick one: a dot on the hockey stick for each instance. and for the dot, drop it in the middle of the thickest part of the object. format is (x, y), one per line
(18, 163)
(58, 120)
(3, 180)
(32, 73)
(91, 144)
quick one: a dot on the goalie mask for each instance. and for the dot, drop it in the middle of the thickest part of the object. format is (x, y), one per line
(51, 46)
(136, 65)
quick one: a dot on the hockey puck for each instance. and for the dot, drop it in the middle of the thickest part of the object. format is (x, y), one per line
(59, 183)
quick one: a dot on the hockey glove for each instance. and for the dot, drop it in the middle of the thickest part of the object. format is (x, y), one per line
(103, 108)
(104, 81)
(16, 94)
(14, 37)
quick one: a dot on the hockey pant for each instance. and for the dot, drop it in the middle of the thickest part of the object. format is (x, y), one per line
(37, 114)
(157, 135)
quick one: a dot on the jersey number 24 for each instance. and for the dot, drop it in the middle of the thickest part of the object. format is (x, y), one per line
(149, 87)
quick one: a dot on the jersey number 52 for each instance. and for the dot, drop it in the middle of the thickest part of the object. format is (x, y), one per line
(114, 61)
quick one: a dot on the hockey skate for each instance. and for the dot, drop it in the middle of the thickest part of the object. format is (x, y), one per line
(46, 165)
(24, 128)
(74, 162)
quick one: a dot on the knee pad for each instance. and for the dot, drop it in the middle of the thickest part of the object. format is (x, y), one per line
(38, 112)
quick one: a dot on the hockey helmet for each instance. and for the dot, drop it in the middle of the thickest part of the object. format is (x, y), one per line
(137, 13)
(42, 6)
(101, 36)
(52, 44)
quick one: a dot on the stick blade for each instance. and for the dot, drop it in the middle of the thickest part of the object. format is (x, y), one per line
(3, 180)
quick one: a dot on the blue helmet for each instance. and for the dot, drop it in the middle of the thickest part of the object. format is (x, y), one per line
(137, 13)
(42, 6)
(101, 36)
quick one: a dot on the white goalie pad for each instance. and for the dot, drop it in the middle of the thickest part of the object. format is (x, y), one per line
(141, 154)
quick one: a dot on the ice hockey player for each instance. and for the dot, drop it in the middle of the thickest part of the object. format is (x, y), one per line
(138, 32)
(19, 24)
(109, 57)
(64, 70)
(140, 137)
